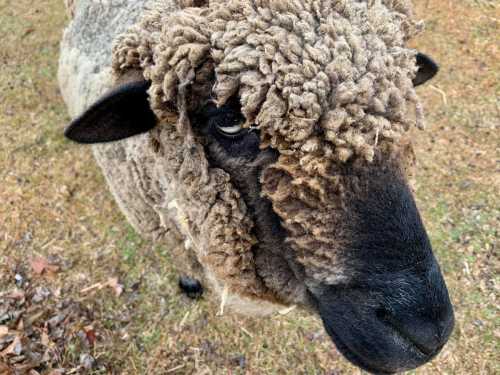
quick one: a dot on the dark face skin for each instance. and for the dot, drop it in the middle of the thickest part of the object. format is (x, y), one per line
(393, 313)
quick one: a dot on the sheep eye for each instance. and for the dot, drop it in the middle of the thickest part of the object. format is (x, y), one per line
(225, 122)
(230, 131)
(224, 127)
(229, 124)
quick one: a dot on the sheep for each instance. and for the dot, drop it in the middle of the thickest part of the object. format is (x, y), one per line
(266, 143)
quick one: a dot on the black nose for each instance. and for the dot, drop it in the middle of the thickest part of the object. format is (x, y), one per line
(426, 321)
(403, 321)
(427, 332)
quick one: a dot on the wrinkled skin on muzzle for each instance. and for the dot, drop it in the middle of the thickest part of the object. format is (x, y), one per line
(395, 323)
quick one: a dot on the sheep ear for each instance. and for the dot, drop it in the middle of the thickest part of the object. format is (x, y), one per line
(121, 113)
(427, 69)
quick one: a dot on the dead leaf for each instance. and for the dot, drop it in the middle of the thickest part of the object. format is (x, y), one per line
(39, 265)
(56, 320)
(4, 330)
(15, 348)
(90, 334)
(87, 361)
(33, 318)
(45, 339)
(41, 294)
(113, 283)
(16, 295)
(28, 32)
(5, 369)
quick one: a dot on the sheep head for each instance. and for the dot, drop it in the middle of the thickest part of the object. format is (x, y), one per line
(277, 144)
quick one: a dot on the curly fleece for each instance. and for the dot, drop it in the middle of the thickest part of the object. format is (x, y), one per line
(325, 82)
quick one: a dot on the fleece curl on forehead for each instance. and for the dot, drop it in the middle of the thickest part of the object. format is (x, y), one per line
(326, 82)
(329, 77)
(324, 76)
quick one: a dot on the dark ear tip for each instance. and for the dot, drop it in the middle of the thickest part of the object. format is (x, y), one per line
(427, 69)
(121, 113)
(71, 133)
(423, 59)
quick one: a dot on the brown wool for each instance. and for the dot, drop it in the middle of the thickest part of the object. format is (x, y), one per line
(326, 82)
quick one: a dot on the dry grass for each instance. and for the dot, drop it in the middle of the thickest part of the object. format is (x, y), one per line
(54, 203)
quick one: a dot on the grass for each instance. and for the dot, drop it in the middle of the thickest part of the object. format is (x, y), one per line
(54, 203)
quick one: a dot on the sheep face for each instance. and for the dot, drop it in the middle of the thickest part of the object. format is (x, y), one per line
(282, 136)
(366, 267)
(368, 270)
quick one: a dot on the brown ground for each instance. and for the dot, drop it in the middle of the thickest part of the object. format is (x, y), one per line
(60, 231)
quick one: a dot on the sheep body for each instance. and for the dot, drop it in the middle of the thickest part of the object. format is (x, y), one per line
(356, 86)
(274, 158)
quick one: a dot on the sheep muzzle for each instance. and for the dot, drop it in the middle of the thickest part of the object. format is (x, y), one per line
(367, 260)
